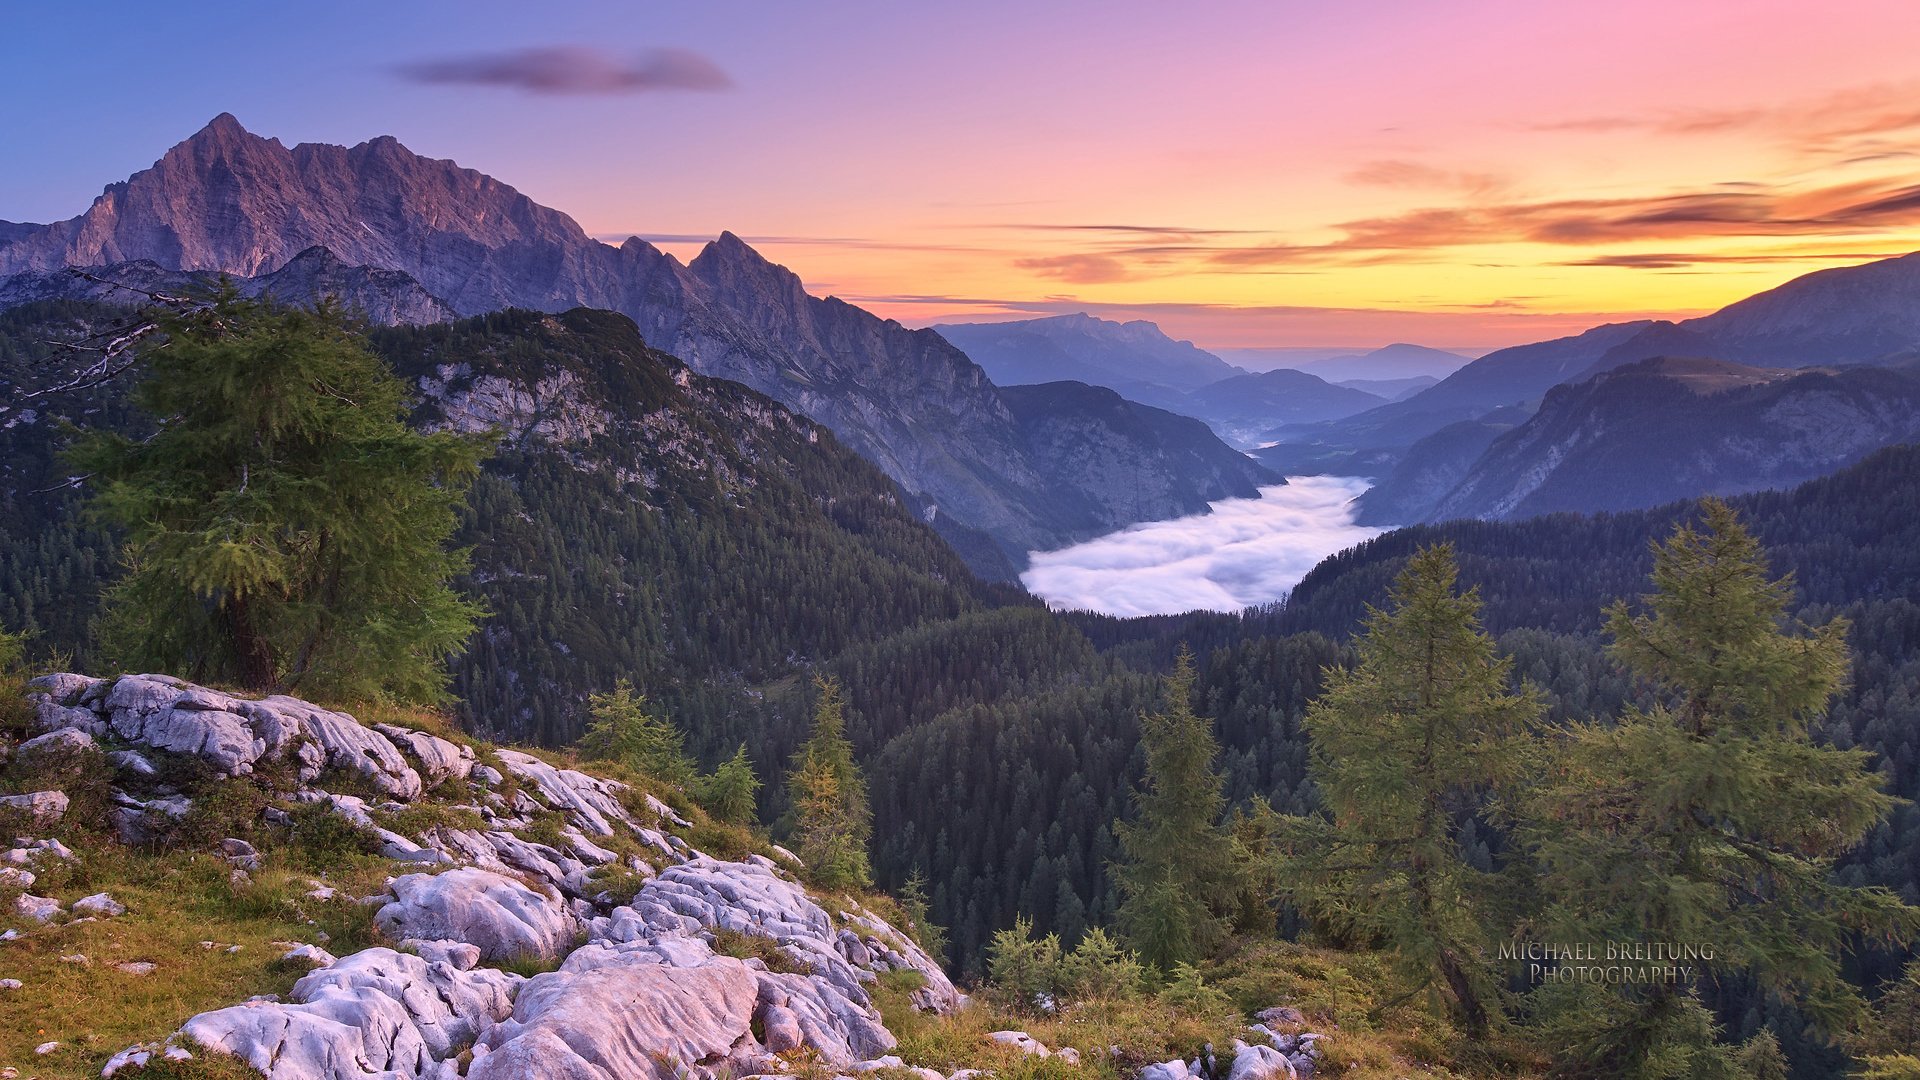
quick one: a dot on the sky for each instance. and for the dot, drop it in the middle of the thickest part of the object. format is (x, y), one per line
(1254, 174)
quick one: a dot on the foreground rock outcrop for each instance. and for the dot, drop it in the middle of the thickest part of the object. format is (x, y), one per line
(643, 986)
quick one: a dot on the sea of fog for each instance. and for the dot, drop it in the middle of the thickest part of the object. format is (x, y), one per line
(1243, 552)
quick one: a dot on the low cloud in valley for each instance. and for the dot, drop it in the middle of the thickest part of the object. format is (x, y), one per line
(1245, 552)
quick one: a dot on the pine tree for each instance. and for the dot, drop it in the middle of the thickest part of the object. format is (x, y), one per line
(832, 821)
(623, 729)
(1406, 748)
(1710, 817)
(284, 528)
(1177, 857)
(729, 793)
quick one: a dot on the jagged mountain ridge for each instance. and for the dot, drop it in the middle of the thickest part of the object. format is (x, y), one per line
(228, 201)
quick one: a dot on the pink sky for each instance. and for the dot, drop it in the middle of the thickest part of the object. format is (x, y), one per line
(1467, 174)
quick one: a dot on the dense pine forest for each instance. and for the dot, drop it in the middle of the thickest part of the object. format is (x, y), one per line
(640, 523)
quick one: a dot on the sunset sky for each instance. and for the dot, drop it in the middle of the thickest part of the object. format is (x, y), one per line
(1463, 174)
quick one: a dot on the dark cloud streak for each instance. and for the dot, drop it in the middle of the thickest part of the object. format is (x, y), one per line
(573, 69)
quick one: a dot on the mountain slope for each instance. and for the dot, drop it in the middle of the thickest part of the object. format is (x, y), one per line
(639, 521)
(1245, 406)
(227, 201)
(1120, 453)
(1665, 429)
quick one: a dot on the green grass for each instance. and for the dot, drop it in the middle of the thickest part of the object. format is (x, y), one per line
(1343, 995)
(175, 900)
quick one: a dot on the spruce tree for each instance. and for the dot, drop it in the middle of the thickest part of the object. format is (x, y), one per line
(283, 528)
(1176, 867)
(832, 821)
(1709, 817)
(729, 793)
(624, 729)
(1407, 747)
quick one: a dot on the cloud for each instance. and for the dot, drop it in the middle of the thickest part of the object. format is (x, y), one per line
(1416, 175)
(1078, 269)
(574, 69)
(1730, 210)
(1841, 123)
(1128, 230)
(1666, 260)
(1245, 552)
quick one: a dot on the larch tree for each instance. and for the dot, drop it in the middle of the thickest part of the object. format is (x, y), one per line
(1709, 817)
(1425, 733)
(1176, 869)
(284, 529)
(832, 821)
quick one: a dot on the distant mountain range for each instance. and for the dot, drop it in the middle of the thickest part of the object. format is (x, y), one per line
(413, 239)
(1650, 432)
(1134, 358)
(1140, 362)
(1396, 361)
(1862, 314)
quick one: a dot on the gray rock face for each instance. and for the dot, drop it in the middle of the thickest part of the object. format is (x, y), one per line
(641, 1013)
(375, 1012)
(502, 917)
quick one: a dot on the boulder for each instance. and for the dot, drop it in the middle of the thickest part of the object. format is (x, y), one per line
(375, 1012)
(1259, 1063)
(44, 807)
(67, 740)
(1166, 1070)
(1022, 1041)
(38, 908)
(501, 916)
(312, 956)
(438, 758)
(631, 1015)
(99, 905)
(1281, 1016)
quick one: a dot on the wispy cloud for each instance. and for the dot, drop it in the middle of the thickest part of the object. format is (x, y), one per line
(1670, 260)
(1172, 231)
(574, 69)
(1078, 269)
(1417, 175)
(1846, 123)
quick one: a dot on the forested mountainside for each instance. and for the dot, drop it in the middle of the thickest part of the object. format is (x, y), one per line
(639, 521)
(1650, 432)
